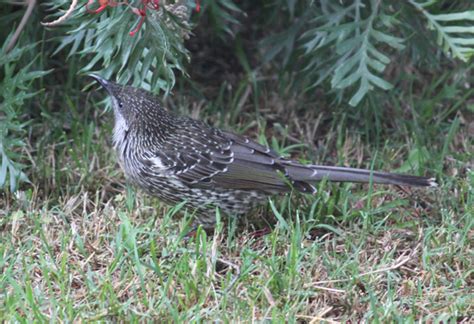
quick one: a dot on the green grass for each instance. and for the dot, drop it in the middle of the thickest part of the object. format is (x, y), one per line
(77, 244)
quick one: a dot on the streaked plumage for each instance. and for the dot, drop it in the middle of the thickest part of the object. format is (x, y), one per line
(178, 158)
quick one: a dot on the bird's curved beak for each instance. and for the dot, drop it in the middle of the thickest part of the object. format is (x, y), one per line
(103, 82)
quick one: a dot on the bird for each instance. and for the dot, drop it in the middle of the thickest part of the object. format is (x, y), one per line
(177, 158)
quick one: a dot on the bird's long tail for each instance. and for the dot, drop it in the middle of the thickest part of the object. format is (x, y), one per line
(360, 175)
(312, 173)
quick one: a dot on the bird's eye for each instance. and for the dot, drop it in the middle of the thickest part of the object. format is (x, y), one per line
(120, 104)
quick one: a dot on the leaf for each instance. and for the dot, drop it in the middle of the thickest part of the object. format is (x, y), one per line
(149, 58)
(353, 40)
(454, 39)
(221, 15)
(16, 91)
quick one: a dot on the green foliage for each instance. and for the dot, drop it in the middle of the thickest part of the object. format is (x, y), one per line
(346, 45)
(453, 37)
(351, 43)
(104, 41)
(357, 59)
(16, 92)
(222, 16)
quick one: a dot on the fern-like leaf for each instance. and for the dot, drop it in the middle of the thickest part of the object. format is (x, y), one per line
(148, 59)
(359, 60)
(455, 31)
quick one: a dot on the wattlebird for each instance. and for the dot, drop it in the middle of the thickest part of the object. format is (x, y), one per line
(179, 159)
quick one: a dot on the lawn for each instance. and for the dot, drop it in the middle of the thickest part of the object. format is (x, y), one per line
(78, 244)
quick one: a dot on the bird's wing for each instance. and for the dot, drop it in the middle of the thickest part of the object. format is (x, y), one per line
(257, 166)
(193, 154)
(203, 157)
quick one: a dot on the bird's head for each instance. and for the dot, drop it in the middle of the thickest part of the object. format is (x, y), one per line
(123, 98)
(129, 103)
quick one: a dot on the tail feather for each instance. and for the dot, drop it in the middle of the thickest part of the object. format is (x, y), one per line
(310, 173)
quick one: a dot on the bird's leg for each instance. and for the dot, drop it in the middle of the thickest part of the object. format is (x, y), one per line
(194, 229)
(261, 232)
